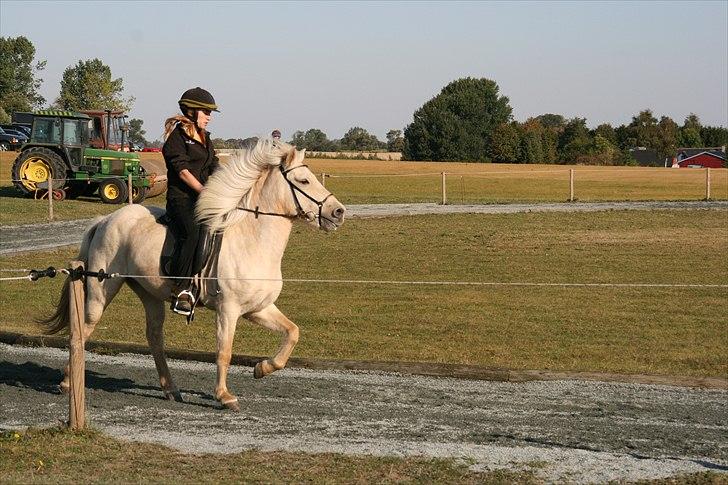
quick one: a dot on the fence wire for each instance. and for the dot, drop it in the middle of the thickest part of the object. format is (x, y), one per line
(393, 282)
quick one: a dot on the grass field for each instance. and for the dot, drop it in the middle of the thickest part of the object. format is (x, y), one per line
(56, 456)
(364, 181)
(61, 456)
(670, 331)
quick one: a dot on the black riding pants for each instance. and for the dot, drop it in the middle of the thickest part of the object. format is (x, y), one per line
(187, 233)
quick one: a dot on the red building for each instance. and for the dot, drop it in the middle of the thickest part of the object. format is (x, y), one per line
(701, 158)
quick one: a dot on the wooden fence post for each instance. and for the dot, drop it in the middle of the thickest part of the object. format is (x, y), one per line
(50, 198)
(707, 183)
(76, 359)
(131, 201)
(323, 179)
(444, 190)
(571, 185)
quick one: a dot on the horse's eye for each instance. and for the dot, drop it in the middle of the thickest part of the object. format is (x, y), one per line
(302, 181)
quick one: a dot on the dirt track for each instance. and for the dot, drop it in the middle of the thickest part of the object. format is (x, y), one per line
(15, 239)
(567, 430)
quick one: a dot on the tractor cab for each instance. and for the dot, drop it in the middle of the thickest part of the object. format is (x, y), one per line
(64, 131)
(108, 130)
(61, 155)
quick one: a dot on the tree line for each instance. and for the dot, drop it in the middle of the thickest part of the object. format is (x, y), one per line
(469, 120)
(356, 139)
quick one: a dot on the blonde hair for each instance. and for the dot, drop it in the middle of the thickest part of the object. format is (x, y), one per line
(187, 125)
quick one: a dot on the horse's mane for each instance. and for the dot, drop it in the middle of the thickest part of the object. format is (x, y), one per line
(233, 180)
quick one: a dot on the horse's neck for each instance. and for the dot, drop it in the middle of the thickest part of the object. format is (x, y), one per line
(263, 239)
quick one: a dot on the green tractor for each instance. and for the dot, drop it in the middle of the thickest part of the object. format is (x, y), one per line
(59, 149)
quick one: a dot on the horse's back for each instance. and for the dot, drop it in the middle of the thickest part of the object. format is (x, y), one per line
(128, 239)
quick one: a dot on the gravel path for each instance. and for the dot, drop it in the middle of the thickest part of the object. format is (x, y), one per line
(577, 431)
(32, 237)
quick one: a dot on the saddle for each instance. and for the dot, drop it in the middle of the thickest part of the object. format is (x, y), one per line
(205, 262)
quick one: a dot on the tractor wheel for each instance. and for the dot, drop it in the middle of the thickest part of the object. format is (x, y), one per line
(33, 168)
(113, 191)
(138, 194)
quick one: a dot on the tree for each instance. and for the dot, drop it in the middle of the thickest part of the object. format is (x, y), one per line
(550, 145)
(505, 143)
(312, 139)
(136, 134)
(88, 85)
(395, 141)
(19, 83)
(575, 140)
(714, 136)
(624, 140)
(359, 139)
(457, 124)
(643, 131)
(668, 134)
(552, 121)
(531, 147)
(606, 131)
(690, 132)
(606, 153)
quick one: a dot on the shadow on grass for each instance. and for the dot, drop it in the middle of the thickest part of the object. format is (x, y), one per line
(45, 379)
(11, 192)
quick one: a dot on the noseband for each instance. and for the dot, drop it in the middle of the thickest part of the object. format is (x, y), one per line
(299, 209)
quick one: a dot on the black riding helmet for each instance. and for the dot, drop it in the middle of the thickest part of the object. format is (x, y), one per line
(197, 98)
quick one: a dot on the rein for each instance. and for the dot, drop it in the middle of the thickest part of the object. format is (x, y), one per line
(299, 209)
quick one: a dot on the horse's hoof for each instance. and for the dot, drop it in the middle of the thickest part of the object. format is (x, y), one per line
(232, 405)
(174, 396)
(64, 388)
(258, 370)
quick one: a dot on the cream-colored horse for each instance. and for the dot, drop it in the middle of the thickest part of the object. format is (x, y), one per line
(269, 179)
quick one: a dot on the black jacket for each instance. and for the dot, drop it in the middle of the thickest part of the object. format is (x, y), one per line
(182, 152)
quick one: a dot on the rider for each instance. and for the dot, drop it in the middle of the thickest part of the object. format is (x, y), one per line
(190, 160)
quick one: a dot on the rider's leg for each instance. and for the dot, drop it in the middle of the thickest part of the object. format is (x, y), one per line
(183, 259)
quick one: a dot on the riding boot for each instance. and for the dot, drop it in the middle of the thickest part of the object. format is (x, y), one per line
(183, 301)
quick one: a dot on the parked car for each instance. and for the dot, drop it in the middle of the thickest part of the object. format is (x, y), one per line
(151, 149)
(20, 135)
(24, 129)
(8, 141)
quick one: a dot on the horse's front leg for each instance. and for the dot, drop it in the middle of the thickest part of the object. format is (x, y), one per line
(227, 318)
(272, 318)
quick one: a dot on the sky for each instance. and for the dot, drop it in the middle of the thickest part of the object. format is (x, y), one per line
(335, 65)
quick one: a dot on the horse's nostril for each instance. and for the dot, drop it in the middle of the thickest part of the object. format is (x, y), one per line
(339, 212)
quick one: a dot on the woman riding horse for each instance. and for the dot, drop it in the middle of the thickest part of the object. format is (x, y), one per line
(254, 198)
(190, 160)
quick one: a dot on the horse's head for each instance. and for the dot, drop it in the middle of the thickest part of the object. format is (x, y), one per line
(306, 196)
(268, 179)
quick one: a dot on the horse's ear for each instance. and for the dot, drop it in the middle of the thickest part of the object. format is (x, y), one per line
(290, 156)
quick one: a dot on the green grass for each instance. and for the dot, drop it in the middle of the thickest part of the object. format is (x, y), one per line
(668, 331)
(61, 456)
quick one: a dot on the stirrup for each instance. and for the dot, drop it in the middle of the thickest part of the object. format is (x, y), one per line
(178, 306)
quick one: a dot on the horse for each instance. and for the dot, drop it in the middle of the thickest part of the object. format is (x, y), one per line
(254, 199)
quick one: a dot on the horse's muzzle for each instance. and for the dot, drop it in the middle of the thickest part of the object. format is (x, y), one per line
(332, 217)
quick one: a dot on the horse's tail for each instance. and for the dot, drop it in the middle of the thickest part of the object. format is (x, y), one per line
(59, 321)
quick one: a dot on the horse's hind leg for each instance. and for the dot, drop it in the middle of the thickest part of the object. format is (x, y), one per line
(272, 318)
(154, 310)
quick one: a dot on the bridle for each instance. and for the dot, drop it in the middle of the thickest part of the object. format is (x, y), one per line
(300, 213)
